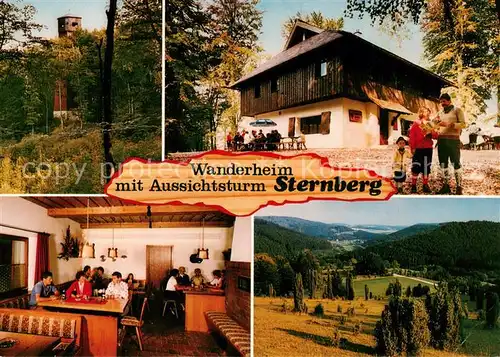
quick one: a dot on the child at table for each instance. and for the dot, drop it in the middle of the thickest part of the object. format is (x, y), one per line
(217, 280)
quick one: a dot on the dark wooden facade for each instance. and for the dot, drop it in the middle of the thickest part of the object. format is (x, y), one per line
(352, 64)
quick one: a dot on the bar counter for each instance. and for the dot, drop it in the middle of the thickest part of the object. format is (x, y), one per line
(99, 323)
(199, 301)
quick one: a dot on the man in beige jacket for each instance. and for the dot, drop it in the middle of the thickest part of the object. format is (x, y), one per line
(452, 121)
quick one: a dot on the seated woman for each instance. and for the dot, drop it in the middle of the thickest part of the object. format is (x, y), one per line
(130, 281)
(217, 280)
(81, 286)
(197, 280)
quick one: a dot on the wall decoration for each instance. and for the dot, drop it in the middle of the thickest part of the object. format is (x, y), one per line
(70, 246)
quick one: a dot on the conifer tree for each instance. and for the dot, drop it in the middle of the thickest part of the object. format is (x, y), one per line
(492, 310)
(298, 294)
(349, 288)
(367, 292)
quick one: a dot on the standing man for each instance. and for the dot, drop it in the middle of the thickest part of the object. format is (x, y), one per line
(43, 290)
(452, 121)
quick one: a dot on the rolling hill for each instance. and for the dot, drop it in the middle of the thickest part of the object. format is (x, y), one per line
(276, 240)
(456, 246)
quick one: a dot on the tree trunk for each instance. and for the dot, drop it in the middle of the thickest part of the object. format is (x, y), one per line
(106, 89)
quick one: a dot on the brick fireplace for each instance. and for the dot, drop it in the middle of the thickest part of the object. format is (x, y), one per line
(238, 292)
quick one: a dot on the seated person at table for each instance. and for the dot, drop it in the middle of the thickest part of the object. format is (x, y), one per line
(197, 280)
(172, 290)
(183, 278)
(99, 281)
(130, 281)
(217, 280)
(117, 289)
(81, 286)
(88, 272)
(44, 290)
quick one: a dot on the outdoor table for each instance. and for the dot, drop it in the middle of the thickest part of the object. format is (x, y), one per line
(28, 344)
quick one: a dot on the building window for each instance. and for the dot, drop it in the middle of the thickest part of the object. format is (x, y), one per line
(275, 85)
(13, 264)
(310, 125)
(405, 127)
(321, 69)
(257, 91)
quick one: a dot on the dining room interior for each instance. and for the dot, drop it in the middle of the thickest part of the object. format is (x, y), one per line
(185, 271)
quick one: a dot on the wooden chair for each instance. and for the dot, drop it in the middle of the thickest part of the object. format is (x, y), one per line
(132, 321)
(173, 307)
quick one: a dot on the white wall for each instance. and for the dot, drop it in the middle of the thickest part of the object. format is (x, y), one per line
(241, 250)
(18, 212)
(132, 242)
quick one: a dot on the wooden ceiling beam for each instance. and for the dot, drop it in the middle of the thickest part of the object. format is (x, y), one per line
(225, 224)
(126, 211)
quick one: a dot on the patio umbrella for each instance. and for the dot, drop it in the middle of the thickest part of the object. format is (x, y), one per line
(263, 123)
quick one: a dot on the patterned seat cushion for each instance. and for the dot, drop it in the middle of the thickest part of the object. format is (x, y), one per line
(19, 302)
(131, 321)
(231, 330)
(37, 325)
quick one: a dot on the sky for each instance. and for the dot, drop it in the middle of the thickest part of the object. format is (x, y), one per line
(276, 12)
(397, 211)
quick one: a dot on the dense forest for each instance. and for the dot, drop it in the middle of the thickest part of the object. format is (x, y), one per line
(455, 251)
(45, 150)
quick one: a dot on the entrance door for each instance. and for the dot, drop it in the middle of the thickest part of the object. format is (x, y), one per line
(158, 262)
(384, 126)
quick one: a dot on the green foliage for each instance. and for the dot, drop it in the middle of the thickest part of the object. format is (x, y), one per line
(265, 273)
(446, 314)
(492, 310)
(402, 328)
(480, 299)
(314, 18)
(349, 288)
(70, 247)
(319, 310)
(464, 50)
(298, 295)
(275, 240)
(367, 292)
(408, 291)
(286, 276)
(457, 252)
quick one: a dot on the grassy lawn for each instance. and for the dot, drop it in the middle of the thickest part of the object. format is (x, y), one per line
(288, 334)
(378, 286)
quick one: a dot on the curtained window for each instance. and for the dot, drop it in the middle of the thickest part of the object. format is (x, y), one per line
(42, 255)
(13, 264)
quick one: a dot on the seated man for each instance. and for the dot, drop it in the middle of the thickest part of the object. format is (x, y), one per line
(197, 280)
(117, 289)
(88, 272)
(100, 282)
(81, 286)
(183, 278)
(172, 291)
(217, 280)
(44, 290)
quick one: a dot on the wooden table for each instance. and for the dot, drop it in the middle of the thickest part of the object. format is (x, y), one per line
(200, 301)
(99, 323)
(28, 345)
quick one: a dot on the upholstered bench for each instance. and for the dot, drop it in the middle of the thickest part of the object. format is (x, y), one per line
(43, 323)
(17, 302)
(236, 335)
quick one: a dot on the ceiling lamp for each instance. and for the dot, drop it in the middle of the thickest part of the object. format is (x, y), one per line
(88, 250)
(202, 252)
(113, 252)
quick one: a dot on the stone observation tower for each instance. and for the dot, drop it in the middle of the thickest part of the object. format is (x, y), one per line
(64, 97)
(68, 24)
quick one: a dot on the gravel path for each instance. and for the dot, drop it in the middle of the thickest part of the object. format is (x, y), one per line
(481, 168)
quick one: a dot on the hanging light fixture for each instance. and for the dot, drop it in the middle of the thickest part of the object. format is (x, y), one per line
(88, 250)
(113, 252)
(202, 252)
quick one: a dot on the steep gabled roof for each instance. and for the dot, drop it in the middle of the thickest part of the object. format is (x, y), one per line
(322, 39)
(300, 27)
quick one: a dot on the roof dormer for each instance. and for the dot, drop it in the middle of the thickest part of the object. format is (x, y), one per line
(301, 31)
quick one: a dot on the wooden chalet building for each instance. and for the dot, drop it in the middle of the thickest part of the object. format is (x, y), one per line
(338, 89)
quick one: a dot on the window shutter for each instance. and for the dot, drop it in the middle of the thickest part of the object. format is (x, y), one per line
(291, 127)
(324, 127)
